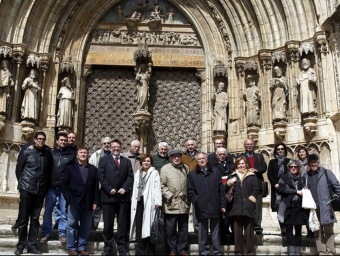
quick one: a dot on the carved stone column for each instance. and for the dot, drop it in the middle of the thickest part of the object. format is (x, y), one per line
(324, 65)
(236, 112)
(266, 68)
(143, 69)
(207, 133)
(44, 65)
(18, 54)
(142, 120)
(292, 75)
(220, 76)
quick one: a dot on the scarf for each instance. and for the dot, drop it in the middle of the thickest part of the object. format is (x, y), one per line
(280, 160)
(303, 166)
(295, 181)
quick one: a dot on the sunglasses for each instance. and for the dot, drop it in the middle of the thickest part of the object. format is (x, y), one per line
(294, 167)
(280, 149)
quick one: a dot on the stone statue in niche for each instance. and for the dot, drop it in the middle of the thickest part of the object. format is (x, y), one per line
(6, 82)
(279, 89)
(143, 78)
(170, 16)
(307, 89)
(252, 98)
(155, 14)
(119, 14)
(29, 106)
(220, 108)
(137, 14)
(66, 98)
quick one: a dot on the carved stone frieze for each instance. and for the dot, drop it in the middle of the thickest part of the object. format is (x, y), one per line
(18, 53)
(201, 74)
(101, 36)
(240, 66)
(278, 56)
(66, 66)
(251, 65)
(6, 51)
(223, 29)
(45, 61)
(220, 70)
(266, 62)
(306, 47)
(33, 60)
(293, 55)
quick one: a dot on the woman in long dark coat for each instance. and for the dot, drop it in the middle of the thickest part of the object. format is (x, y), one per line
(290, 211)
(276, 168)
(243, 207)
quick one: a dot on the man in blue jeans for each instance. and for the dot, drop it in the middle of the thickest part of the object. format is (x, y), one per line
(80, 188)
(62, 156)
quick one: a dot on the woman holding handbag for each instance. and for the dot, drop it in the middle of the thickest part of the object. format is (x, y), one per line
(290, 211)
(276, 168)
(243, 206)
(146, 197)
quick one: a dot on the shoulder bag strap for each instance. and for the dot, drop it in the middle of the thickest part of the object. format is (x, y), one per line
(329, 185)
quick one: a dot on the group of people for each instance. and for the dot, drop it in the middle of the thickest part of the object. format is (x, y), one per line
(129, 187)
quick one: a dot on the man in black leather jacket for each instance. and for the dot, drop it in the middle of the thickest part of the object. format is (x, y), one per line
(62, 156)
(33, 174)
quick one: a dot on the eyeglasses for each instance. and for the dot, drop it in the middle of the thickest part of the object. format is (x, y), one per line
(294, 167)
(40, 139)
(221, 154)
(279, 149)
(106, 143)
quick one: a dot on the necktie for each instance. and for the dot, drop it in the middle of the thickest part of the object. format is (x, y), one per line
(117, 162)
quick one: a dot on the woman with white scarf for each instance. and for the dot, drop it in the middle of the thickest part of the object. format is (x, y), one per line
(276, 168)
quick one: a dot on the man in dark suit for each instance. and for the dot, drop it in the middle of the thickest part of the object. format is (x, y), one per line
(116, 178)
(258, 166)
(80, 188)
(212, 158)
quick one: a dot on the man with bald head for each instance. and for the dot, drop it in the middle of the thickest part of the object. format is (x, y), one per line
(188, 157)
(133, 155)
(258, 166)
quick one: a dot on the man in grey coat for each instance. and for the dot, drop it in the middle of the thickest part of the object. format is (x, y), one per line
(317, 182)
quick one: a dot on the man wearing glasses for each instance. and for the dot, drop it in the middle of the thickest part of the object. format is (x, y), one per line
(33, 175)
(258, 166)
(133, 155)
(318, 178)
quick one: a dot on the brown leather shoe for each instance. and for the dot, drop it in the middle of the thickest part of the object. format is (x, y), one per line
(72, 253)
(83, 253)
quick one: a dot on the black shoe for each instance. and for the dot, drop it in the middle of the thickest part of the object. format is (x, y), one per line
(18, 252)
(33, 250)
(14, 229)
(55, 226)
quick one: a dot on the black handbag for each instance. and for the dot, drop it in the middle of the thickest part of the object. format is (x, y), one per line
(230, 194)
(334, 201)
(265, 189)
(157, 228)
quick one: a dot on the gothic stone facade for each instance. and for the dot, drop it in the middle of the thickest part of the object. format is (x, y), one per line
(170, 57)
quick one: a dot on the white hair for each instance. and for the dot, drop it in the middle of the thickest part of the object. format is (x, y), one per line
(106, 138)
(186, 143)
(163, 144)
(134, 141)
(201, 153)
